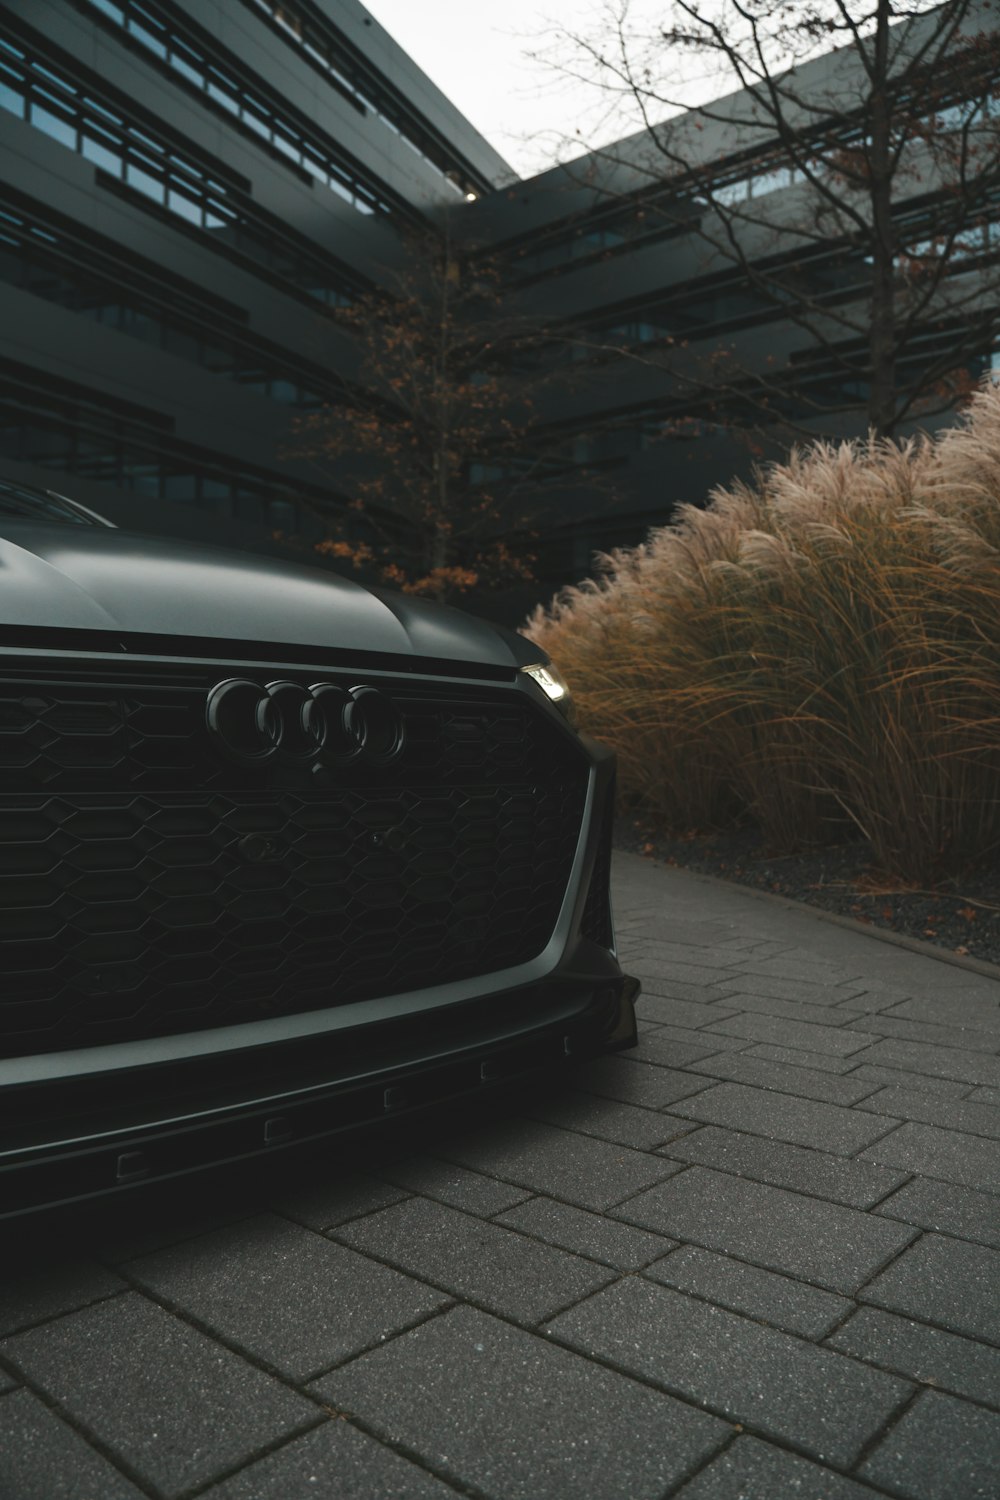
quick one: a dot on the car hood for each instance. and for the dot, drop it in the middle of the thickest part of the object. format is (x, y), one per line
(74, 578)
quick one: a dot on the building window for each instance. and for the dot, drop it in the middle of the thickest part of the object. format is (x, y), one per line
(84, 280)
(153, 28)
(158, 172)
(316, 39)
(72, 433)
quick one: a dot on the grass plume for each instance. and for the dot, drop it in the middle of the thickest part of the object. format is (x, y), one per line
(816, 651)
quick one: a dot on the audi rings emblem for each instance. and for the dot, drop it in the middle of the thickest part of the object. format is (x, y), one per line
(331, 725)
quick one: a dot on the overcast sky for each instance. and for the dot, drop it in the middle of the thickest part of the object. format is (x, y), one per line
(476, 53)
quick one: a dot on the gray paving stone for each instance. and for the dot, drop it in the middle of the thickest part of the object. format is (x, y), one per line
(761, 947)
(710, 1040)
(942, 1205)
(857, 1184)
(834, 1247)
(702, 955)
(966, 1159)
(924, 1354)
(942, 1449)
(754, 1470)
(705, 932)
(33, 1296)
(619, 1245)
(786, 1304)
(330, 1203)
(286, 1295)
(777, 1384)
(978, 1013)
(607, 1119)
(984, 1095)
(560, 1163)
(877, 993)
(945, 1088)
(517, 1417)
(667, 1052)
(41, 1458)
(836, 1042)
(656, 985)
(936, 1062)
(176, 1407)
(944, 1281)
(501, 1270)
(649, 1086)
(796, 1059)
(952, 1114)
(803, 1122)
(964, 1038)
(683, 1012)
(333, 1462)
(801, 991)
(875, 1001)
(671, 969)
(808, 969)
(806, 1083)
(457, 1186)
(804, 1013)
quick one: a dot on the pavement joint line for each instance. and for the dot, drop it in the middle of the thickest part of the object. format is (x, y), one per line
(459, 1299)
(686, 1291)
(118, 1291)
(463, 1298)
(184, 1315)
(702, 1464)
(923, 1384)
(460, 1486)
(874, 1207)
(879, 1437)
(800, 1193)
(739, 1425)
(275, 1446)
(302, 1386)
(88, 1435)
(897, 1255)
(612, 1208)
(979, 1135)
(983, 1342)
(323, 1229)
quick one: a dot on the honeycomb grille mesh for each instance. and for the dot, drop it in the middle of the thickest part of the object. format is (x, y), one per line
(129, 907)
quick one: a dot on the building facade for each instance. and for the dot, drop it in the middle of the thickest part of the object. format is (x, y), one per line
(189, 188)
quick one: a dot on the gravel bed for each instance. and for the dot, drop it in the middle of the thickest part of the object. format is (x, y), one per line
(961, 915)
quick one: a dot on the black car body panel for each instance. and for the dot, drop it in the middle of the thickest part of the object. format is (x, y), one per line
(211, 949)
(77, 578)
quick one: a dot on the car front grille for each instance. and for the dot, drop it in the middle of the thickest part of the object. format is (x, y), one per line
(148, 887)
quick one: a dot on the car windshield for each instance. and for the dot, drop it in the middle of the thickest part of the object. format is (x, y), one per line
(20, 504)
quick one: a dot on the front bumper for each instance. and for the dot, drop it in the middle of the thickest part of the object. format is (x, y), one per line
(159, 1123)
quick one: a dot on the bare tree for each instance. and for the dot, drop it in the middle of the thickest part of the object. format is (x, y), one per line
(855, 196)
(424, 444)
(436, 443)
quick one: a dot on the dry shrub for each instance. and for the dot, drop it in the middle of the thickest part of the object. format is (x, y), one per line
(816, 651)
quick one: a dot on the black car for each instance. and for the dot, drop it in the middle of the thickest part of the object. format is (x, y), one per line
(279, 856)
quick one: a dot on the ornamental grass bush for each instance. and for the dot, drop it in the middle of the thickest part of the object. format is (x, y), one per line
(816, 652)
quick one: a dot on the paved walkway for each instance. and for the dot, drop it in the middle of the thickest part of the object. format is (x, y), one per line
(757, 1258)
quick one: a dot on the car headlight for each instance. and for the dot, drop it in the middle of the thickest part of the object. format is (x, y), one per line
(555, 687)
